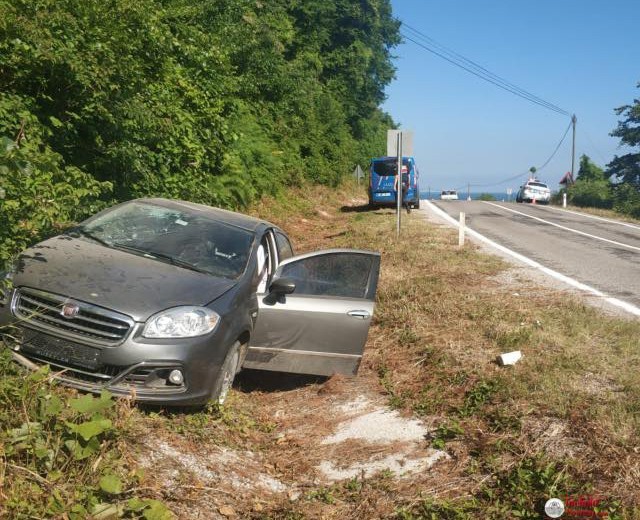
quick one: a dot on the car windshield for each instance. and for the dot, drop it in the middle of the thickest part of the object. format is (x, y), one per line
(537, 184)
(186, 239)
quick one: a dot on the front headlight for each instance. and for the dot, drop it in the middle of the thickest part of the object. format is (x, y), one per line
(181, 322)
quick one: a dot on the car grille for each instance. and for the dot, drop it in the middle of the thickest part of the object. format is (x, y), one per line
(76, 364)
(91, 324)
(103, 376)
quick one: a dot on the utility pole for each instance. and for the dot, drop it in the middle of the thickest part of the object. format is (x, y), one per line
(574, 120)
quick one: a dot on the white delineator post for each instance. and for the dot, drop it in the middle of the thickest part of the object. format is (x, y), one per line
(461, 230)
(564, 200)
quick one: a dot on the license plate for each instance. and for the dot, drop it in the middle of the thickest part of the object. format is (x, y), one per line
(60, 350)
(384, 193)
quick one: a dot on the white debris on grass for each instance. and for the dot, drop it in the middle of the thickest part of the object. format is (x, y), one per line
(394, 463)
(376, 425)
(228, 463)
(379, 426)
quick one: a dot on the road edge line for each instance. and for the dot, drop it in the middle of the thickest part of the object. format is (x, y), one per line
(628, 307)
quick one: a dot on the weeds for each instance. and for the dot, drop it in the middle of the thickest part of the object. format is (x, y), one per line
(62, 453)
(446, 432)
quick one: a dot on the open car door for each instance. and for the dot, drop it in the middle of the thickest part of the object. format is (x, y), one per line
(315, 317)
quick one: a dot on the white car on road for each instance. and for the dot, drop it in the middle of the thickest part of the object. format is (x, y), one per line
(449, 195)
(534, 191)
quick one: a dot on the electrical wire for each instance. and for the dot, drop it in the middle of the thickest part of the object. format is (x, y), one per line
(429, 44)
(593, 145)
(557, 147)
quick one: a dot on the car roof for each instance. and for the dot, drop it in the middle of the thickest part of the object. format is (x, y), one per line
(225, 216)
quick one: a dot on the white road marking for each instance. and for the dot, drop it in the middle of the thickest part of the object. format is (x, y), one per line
(621, 244)
(626, 306)
(611, 221)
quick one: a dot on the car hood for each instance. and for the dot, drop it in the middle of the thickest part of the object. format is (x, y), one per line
(118, 280)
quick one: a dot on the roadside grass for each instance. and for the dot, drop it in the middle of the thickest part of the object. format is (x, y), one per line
(604, 213)
(564, 421)
(64, 455)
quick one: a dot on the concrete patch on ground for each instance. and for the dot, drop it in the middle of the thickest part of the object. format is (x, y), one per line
(393, 443)
(331, 437)
(379, 426)
(240, 470)
(399, 465)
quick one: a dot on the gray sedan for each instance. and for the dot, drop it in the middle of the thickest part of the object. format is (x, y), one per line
(165, 301)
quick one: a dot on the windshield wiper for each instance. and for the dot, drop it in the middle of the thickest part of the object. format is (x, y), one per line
(161, 256)
(85, 233)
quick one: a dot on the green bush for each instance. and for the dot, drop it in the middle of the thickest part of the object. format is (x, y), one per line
(594, 193)
(627, 200)
(61, 456)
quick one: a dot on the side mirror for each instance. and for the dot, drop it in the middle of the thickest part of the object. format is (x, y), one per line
(278, 289)
(282, 286)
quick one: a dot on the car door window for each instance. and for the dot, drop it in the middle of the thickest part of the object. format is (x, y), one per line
(267, 261)
(284, 246)
(331, 274)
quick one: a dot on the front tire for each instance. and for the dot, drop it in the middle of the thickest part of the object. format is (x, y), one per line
(226, 375)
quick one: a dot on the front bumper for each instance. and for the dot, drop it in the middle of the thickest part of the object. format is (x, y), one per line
(137, 368)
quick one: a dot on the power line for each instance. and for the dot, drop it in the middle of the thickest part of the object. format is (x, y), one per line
(593, 145)
(429, 44)
(557, 147)
(504, 181)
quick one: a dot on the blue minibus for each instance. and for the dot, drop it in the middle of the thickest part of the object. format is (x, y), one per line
(382, 182)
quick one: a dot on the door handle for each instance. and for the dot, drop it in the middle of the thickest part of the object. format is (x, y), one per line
(363, 315)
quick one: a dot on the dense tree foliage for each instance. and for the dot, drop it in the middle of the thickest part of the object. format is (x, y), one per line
(625, 169)
(216, 102)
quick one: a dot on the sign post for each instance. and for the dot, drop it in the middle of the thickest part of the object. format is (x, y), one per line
(399, 184)
(399, 143)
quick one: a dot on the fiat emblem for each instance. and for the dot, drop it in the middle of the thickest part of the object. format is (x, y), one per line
(70, 310)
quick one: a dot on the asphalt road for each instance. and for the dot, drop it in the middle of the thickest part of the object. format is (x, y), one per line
(603, 254)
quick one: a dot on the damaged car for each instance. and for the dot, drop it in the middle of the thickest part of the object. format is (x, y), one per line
(165, 301)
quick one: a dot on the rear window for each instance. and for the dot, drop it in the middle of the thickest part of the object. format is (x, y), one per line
(537, 184)
(387, 167)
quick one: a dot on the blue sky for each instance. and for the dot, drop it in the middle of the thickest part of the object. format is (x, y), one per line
(582, 56)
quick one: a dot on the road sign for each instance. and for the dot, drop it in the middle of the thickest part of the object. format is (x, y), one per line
(392, 142)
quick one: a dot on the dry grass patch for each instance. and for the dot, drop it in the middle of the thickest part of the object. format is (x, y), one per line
(561, 421)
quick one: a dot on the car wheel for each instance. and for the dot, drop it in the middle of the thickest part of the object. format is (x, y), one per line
(227, 374)
(417, 204)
